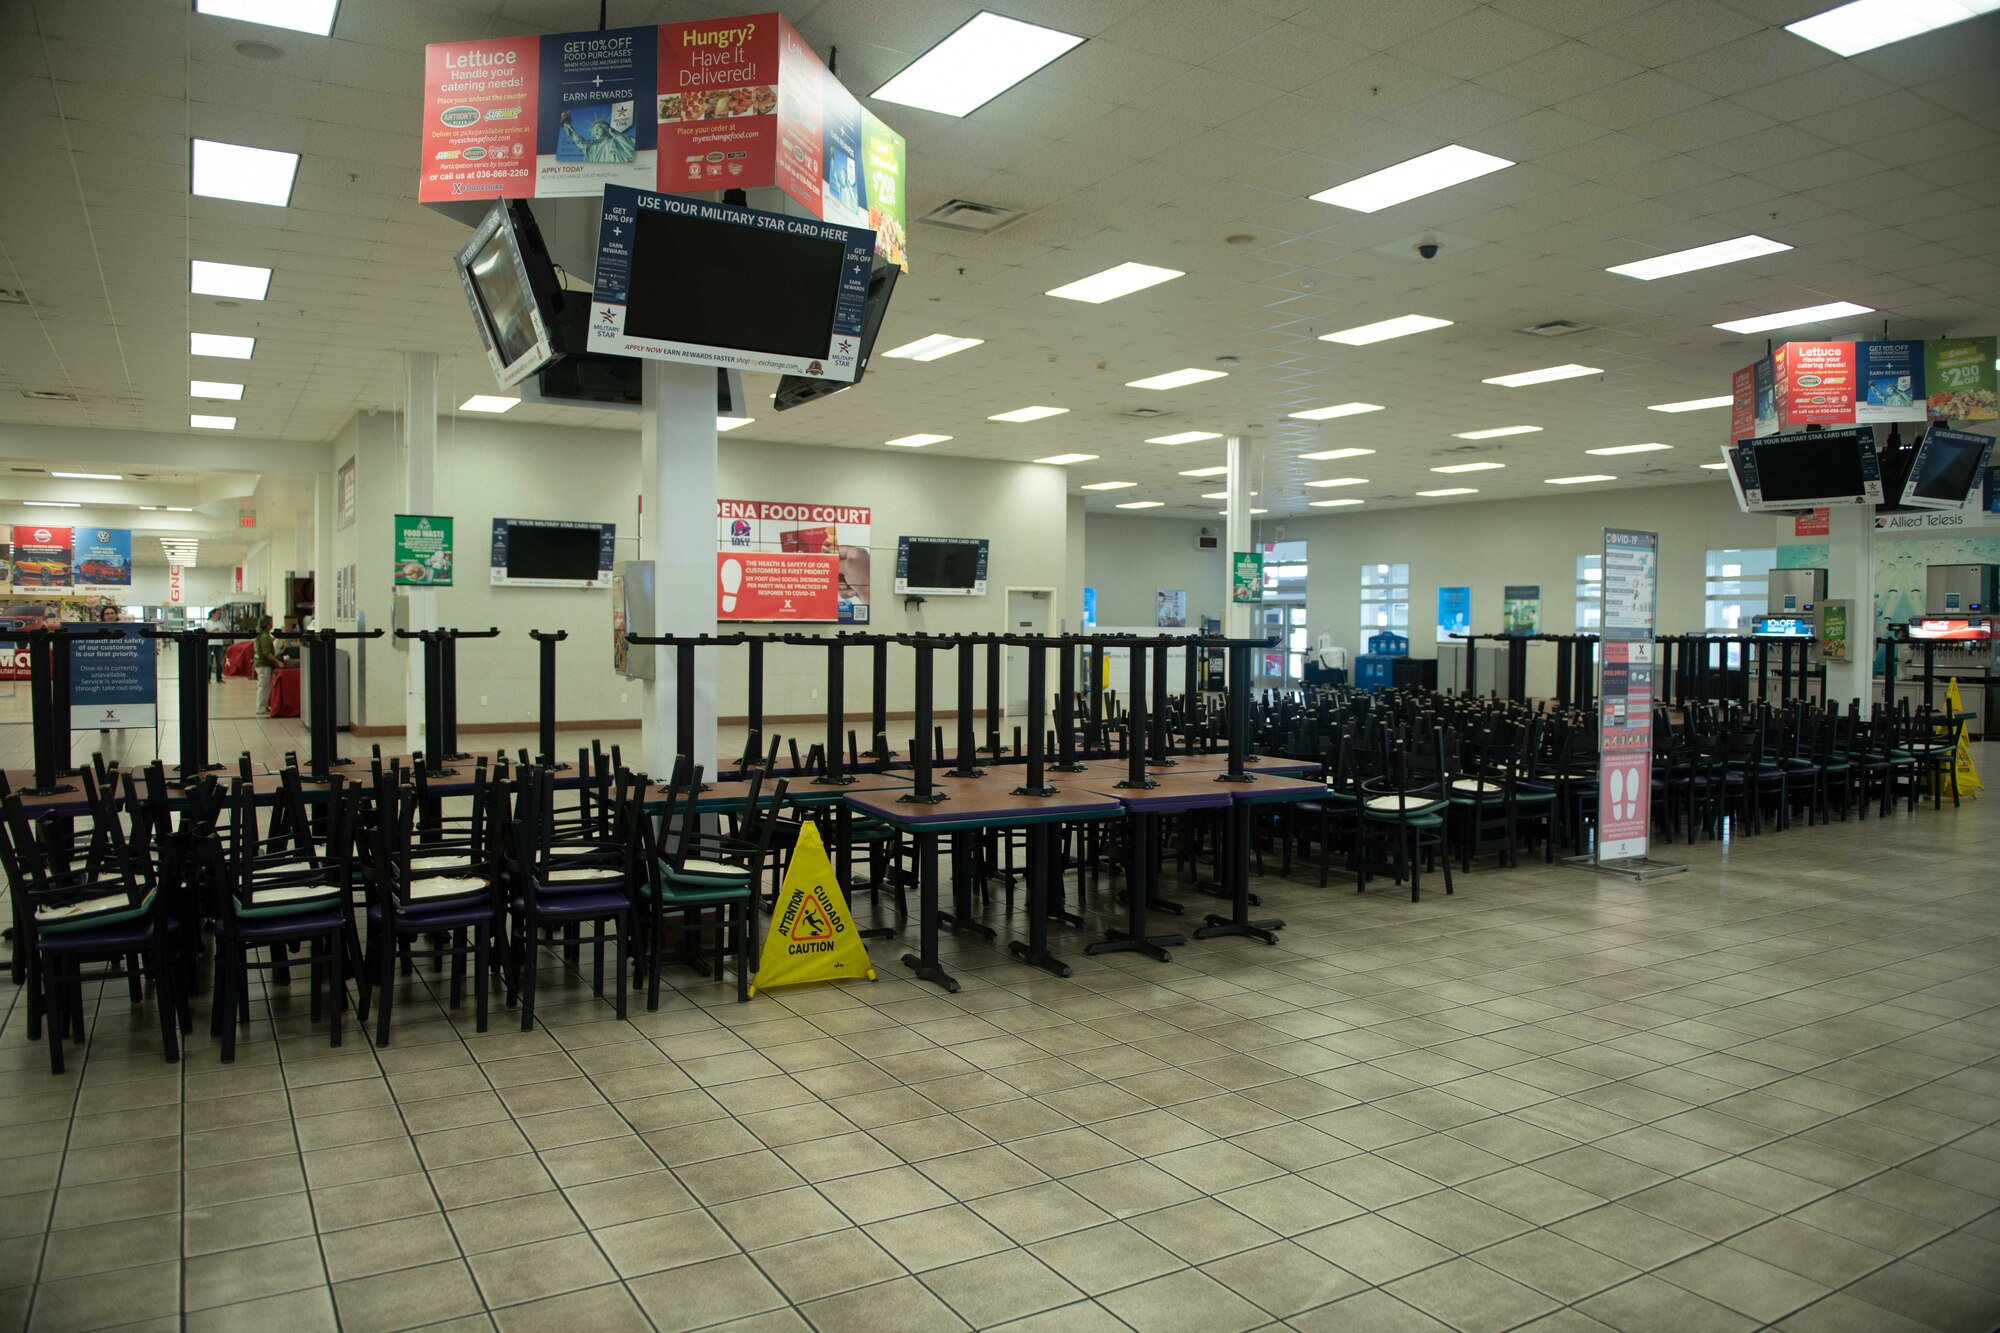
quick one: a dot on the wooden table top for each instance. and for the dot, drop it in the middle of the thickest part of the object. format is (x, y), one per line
(990, 800)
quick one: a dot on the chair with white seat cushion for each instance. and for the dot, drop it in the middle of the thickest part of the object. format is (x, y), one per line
(1403, 815)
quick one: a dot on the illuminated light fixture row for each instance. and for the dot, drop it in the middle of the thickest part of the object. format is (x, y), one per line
(1441, 169)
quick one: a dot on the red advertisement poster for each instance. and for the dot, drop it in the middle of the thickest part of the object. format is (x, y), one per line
(1625, 742)
(802, 83)
(776, 585)
(1743, 405)
(1815, 383)
(479, 119)
(717, 103)
(44, 559)
(1816, 524)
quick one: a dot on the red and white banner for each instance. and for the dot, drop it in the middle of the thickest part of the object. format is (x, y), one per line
(1814, 383)
(176, 586)
(776, 585)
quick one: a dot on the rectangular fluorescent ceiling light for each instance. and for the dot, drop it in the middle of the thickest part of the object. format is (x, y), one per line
(1693, 404)
(244, 282)
(180, 509)
(1440, 170)
(1867, 24)
(1225, 512)
(1222, 495)
(1542, 376)
(1470, 467)
(51, 504)
(1578, 481)
(733, 423)
(1110, 485)
(1142, 504)
(1205, 471)
(488, 402)
(1628, 449)
(214, 389)
(89, 476)
(986, 56)
(1702, 256)
(224, 345)
(1028, 414)
(1337, 410)
(1185, 437)
(1400, 327)
(1340, 481)
(1713, 467)
(932, 347)
(1811, 314)
(1327, 455)
(200, 422)
(1333, 504)
(1496, 433)
(236, 171)
(916, 441)
(314, 16)
(1062, 459)
(1175, 379)
(1450, 490)
(1114, 283)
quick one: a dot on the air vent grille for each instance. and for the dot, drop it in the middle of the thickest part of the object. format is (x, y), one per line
(1556, 328)
(966, 215)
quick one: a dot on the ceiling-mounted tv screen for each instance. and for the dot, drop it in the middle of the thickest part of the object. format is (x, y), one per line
(552, 553)
(717, 285)
(1807, 470)
(511, 285)
(1949, 463)
(941, 566)
(794, 390)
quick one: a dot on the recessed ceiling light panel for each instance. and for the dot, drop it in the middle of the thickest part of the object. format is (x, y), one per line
(1578, 481)
(223, 345)
(1113, 283)
(1693, 404)
(215, 389)
(1400, 327)
(1064, 460)
(1611, 449)
(201, 421)
(1142, 504)
(1175, 379)
(1035, 413)
(1496, 433)
(1434, 171)
(1110, 485)
(237, 171)
(1866, 24)
(1470, 467)
(1185, 437)
(1337, 410)
(917, 441)
(244, 282)
(933, 347)
(489, 402)
(1327, 455)
(1702, 256)
(1545, 375)
(986, 56)
(1811, 314)
(313, 16)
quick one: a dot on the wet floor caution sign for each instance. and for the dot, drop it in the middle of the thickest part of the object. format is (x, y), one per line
(812, 937)
(1968, 776)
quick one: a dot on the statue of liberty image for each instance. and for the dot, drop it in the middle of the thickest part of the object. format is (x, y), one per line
(604, 144)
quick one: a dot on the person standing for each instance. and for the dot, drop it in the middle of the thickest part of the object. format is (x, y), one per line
(266, 659)
(218, 623)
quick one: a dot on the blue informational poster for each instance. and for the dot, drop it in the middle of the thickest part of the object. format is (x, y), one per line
(841, 197)
(596, 124)
(1454, 612)
(1890, 382)
(113, 684)
(1090, 608)
(103, 557)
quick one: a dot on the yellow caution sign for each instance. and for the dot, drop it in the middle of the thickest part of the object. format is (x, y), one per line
(1968, 776)
(812, 937)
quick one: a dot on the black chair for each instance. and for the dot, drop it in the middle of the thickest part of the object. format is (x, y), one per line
(1404, 813)
(688, 874)
(590, 891)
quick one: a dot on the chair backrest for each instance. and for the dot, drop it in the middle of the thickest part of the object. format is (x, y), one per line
(690, 821)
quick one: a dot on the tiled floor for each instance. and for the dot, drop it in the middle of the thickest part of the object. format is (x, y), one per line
(1762, 1092)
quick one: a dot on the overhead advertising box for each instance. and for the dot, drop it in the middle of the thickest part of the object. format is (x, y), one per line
(709, 104)
(792, 560)
(716, 285)
(1864, 383)
(1814, 383)
(1960, 375)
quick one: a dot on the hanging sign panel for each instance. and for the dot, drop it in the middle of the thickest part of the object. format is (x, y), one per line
(113, 684)
(595, 125)
(44, 559)
(1630, 583)
(826, 546)
(1630, 587)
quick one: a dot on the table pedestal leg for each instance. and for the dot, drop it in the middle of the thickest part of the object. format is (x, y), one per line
(924, 963)
(1235, 853)
(843, 838)
(1036, 950)
(959, 918)
(1134, 939)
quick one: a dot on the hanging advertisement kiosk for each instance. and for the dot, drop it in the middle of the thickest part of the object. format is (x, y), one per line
(1630, 587)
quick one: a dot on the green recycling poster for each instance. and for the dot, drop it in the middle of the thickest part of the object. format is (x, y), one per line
(423, 551)
(1246, 576)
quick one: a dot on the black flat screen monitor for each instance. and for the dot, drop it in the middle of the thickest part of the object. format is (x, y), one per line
(1807, 470)
(794, 390)
(1949, 463)
(944, 564)
(511, 285)
(726, 286)
(552, 553)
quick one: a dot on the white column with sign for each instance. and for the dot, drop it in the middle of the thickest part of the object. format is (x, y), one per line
(1850, 577)
(1626, 661)
(419, 497)
(677, 446)
(1236, 527)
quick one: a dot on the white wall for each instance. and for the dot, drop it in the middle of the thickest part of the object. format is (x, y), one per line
(1128, 559)
(496, 469)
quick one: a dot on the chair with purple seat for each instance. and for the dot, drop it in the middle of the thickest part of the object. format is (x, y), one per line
(587, 893)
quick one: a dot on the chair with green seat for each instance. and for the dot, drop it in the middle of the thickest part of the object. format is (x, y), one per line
(1932, 743)
(1404, 813)
(1337, 811)
(704, 873)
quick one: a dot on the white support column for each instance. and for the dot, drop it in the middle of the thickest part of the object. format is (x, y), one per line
(1850, 576)
(419, 497)
(678, 470)
(322, 548)
(1236, 527)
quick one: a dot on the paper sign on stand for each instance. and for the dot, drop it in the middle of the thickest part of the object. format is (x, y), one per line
(114, 684)
(812, 935)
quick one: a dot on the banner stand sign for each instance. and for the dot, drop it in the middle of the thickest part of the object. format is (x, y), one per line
(1626, 661)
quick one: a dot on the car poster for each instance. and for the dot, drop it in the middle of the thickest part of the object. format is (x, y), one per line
(43, 559)
(103, 557)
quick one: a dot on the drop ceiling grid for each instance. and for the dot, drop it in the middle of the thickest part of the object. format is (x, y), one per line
(1639, 128)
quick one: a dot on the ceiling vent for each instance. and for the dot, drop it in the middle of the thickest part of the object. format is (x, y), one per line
(48, 395)
(965, 215)
(1146, 412)
(13, 296)
(1556, 328)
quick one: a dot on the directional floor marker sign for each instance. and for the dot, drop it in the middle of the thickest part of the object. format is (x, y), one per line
(812, 937)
